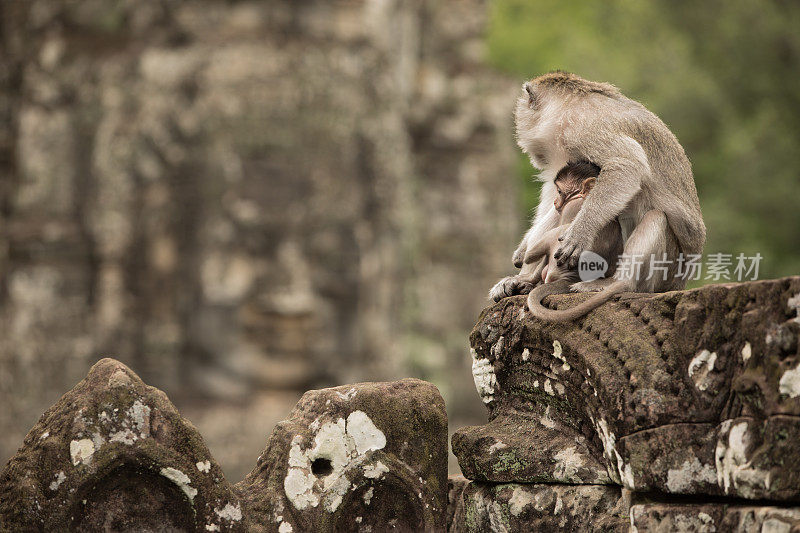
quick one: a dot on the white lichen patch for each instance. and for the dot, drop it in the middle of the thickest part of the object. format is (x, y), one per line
(497, 348)
(81, 451)
(610, 452)
(347, 396)
(60, 478)
(345, 444)
(557, 350)
(203, 466)
(368, 496)
(559, 505)
(546, 421)
(134, 425)
(181, 480)
(139, 415)
(689, 475)
(212, 527)
(498, 445)
(285, 527)
(626, 474)
(790, 383)
(335, 494)
(520, 499)
(747, 351)
(526, 354)
(125, 436)
(568, 463)
(484, 377)
(44, 435)
(98, 440)
(701, 367)
(366, 436)
(299, 488)
(375, 471)
(734, 471)
(231, 513)
(558, 353)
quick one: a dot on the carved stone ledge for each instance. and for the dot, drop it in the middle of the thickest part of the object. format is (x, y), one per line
(690, 392)
(539, 507)
(712, 517)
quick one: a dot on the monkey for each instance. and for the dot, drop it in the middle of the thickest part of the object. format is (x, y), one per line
(573, 183)
(645, 182)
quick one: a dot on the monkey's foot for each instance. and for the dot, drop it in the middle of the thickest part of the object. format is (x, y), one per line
(510, 286)
(595, 285)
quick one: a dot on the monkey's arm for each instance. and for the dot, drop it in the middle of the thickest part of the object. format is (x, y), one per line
(543, 246)
(546, 219)
(623, 165)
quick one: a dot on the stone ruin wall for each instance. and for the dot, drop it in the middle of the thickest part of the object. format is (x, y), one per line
(666, 412)
(234, 197)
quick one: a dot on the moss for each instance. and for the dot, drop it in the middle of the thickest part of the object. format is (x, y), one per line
(508, 462)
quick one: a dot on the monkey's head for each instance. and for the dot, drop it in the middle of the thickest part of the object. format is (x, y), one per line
(543, 103)
(574, 181)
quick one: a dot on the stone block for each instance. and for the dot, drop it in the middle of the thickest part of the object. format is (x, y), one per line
(364, 457)
(539, 507)
(114, 454)
(689, 392)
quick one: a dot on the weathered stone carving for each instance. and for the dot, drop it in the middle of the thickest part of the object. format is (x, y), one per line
(538, 507)
(665, 412)
(364, 457)
(712, 517)
(691, 392)
(114, 454)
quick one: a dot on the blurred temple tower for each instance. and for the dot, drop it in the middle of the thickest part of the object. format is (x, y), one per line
(233, 197)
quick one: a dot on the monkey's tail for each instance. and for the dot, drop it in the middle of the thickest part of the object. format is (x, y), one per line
(562, 287)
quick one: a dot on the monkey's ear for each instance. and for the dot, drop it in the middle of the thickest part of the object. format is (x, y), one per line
(588, 185)
(528, 87)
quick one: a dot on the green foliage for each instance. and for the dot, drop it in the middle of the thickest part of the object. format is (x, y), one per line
(722, 75)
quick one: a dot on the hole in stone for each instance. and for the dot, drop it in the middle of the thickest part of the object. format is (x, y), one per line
(321, 467)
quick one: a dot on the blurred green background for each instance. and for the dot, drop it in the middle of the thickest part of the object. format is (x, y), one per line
(724, 76)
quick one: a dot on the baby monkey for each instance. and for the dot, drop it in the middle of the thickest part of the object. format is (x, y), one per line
(573, 183)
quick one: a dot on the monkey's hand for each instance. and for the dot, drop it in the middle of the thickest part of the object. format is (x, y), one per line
(512, 285)
(571, 248)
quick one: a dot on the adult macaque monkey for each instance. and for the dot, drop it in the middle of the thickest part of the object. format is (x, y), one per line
(645, 182)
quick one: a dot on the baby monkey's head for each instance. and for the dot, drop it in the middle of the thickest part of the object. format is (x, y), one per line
(574, 180)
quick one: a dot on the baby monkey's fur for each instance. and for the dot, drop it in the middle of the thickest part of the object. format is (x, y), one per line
(573, 183)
